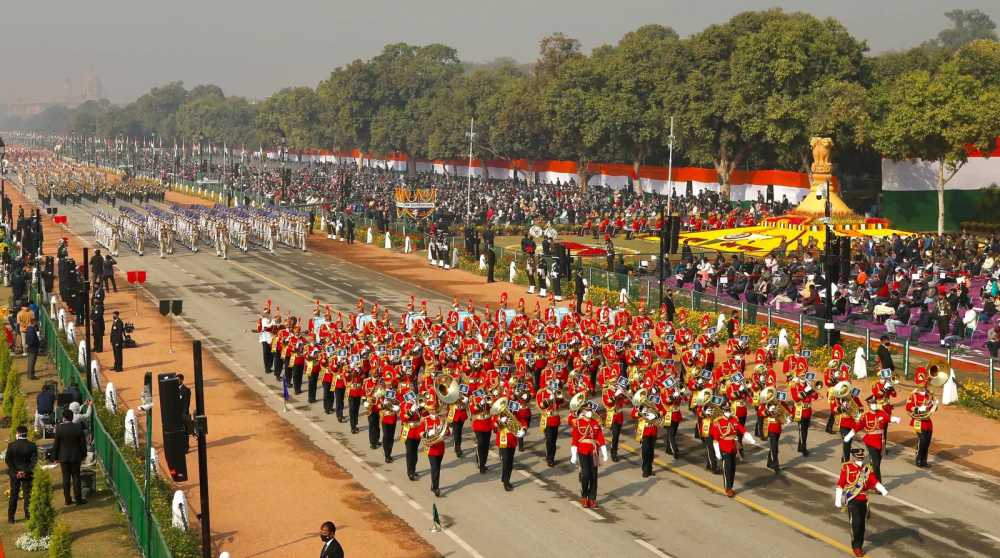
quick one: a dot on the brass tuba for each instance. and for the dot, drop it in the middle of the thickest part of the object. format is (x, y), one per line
(500, 409)
(841, 391)
(645, 407)
(578, 402)
(775, 410)
(436, 435)
(446, 388)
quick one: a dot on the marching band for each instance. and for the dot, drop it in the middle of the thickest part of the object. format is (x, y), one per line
(506, 370)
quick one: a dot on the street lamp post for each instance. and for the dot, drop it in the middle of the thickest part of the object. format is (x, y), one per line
(468, 192)
(3, 181)
(828, 234)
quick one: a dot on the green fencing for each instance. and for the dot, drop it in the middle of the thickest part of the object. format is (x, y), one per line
(145, 528)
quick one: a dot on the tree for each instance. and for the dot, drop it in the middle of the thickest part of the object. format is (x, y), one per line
(19, 416)
(520, 130)
(11, 391)
(43, 514)
(347, 106)
(760, 85)
(478, 94)
(572, 104)
(291, 113)
(638, 94)
(786, 77)
(407, 78)
(555, 51)
(966, 26)
(61, 544)
(935, 117)
(980, 60)
(227, 119)
(156, 109)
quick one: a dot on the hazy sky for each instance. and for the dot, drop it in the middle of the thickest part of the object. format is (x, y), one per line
(253, 47)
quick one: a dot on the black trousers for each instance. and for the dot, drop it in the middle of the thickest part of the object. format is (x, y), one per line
(858, 512)
(588, 476)
(98, 340)
(412, 445)
(758, 428)
(277, 365)
(829, 424)
(846, 445)
(268, 357)
(19, 487)
(71, 473)
(875, 458)
(506, 464)
(327, 398)
(373, 429)
(728, 469)
(772, 453)
(338, 396)
(616, 432)
(353, 409)
(551, 434)
(435, 470)
(297, 378)
(388, 438)
(482, 448)
(670, 438)
(648, 444)
(923, 446)
(804, 434)
(118, 349)
(711, 462)
(313, 384)
(456, 435)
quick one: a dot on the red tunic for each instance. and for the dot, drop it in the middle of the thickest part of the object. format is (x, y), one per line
(587, 435)
(872, 423)
(727, 431)
(849, 475)
(916, 399)
(432, 423)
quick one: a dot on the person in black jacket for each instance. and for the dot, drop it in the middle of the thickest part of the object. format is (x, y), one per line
(97, 327)
(884, 356)
(69, 449)
(21, 456)
(31, 346)
(117, 341)
(331, 547)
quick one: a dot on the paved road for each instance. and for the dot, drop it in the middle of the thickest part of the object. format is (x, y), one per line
(680, 513)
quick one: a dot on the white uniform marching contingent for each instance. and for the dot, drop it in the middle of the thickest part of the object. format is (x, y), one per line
(132, 225)
(107, 232)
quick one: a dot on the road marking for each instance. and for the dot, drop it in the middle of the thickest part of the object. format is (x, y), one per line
(396, 490)
(651, 548)
(890, 497)
(812, 533)
(587, 511)
(533, 478)
(413, 504)
(991, 537)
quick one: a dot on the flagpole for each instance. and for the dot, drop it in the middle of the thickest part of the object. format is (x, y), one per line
(468, 192)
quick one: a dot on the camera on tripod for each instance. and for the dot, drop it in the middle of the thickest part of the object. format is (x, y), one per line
(129, 328)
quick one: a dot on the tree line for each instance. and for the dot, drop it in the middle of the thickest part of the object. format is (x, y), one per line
(747, 93)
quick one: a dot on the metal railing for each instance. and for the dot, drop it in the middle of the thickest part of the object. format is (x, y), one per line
(145, 528)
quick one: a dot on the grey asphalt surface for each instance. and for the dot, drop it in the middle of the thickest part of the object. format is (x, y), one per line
(946, 511)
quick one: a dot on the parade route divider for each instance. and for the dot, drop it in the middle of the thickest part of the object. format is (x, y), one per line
(151, 538)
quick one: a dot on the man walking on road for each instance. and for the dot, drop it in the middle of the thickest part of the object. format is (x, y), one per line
(69, 449)
(118, 341)
(21, 456)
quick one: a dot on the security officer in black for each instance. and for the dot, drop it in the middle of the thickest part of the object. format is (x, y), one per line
(491, 262)
(118, 341)
(21, 456)
(97, 327)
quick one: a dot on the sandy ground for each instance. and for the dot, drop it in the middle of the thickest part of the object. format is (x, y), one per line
(265, 477)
